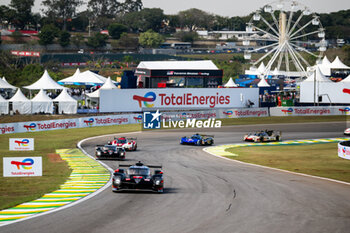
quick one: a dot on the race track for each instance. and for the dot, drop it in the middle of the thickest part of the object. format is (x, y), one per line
(204, 193)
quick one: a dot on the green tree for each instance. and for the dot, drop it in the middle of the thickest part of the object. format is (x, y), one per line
(61, 10)
(77, 40)
(187, 36)
(116, 29)
(131, 6)
(47, 34)
(97, 41)
(7, 15)
(126, 41)
(23, 9)
(64, 38)
(195, 18)
(147, 18)
(102, 12)
(150, 39)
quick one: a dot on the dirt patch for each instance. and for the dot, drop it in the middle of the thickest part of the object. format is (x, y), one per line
(55, 158)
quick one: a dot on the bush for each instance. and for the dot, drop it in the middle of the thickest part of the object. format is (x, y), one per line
(64, 39)
(97, 41)
(47, 34)
(115, 30)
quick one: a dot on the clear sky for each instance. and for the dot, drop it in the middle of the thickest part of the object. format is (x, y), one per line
(226, 7)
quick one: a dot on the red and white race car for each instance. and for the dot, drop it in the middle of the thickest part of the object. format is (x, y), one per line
(126, 143)
(347, 132)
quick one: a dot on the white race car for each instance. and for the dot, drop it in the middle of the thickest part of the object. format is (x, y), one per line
(263, 136)
(126, 143)
(347, 132)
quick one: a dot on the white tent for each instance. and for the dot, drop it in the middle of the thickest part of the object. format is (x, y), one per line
(317, 76)
(346, 80)
(66, 103)
(325, 61)
(41, 103)
(85, 78)
(261, 68)
(20, 103)
(71, 80)
(337, 64)
(4, 106)
(263, 83)
(45, 83)
(106, 86)
(230, 83)
(5, 85)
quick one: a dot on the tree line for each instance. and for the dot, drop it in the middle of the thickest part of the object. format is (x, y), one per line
(61, 17)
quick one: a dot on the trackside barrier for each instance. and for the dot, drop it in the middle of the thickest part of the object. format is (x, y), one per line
(310, 111)
(121, 119)
(344, 149)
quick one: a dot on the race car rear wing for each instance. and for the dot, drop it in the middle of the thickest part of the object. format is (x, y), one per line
(125, 138)
(141, 164)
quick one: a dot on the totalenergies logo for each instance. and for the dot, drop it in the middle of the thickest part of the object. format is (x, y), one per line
(149, 97)
(344, 110)
(89, 122)
(229, 114)
(30, 127)
(26, 164)
(138, 118)
(346, 91)
(24, 142)
(288, 111)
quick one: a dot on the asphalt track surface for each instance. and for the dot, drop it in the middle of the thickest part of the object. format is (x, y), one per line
(204, 193)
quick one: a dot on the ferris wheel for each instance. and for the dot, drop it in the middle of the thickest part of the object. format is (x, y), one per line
(287, 32)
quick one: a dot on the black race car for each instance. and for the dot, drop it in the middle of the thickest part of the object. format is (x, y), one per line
(138, 177)
(109, 151)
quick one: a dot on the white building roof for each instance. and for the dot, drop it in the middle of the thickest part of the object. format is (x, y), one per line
(178, 65)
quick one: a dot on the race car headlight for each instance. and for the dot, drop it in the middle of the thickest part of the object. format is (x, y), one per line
(99, 152)
(157, 182)
(117, 180)
(122, 153)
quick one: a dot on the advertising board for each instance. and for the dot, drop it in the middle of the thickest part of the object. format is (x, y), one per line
(22, 166)
(134, 100)
(310, 111)
(344, 150)
(21, 144)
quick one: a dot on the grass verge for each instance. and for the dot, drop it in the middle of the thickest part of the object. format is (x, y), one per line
(317, 159)
(14, 190)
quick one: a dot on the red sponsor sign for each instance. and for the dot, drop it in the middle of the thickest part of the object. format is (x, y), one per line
(25, 53)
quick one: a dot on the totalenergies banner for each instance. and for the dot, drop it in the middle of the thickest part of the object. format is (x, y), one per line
(37, 126)
(134, 100)
(310, 111)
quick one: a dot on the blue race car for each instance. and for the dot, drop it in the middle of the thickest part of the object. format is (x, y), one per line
(197, 139)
